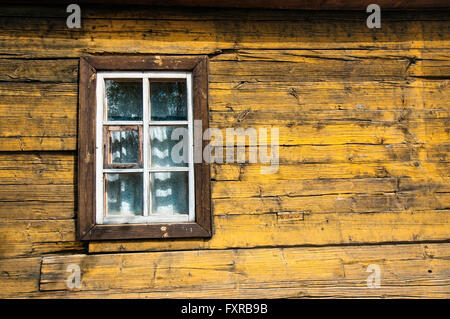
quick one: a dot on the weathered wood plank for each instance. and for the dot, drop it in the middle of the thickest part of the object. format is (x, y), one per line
(38, 116)
(341, 203)
(37, 168)
(351, 153)
(303, 228)
(59, 168)
(19, 276)
(423, 62)
(24, 70)
(31, 201)
(62, 208)
(251, 117)
(431, 132)
(271, 66)
(298, 187)
(24, 238)
(288, 272)
(200, 36)
(236, 172)
(304, 291)
(298, 97)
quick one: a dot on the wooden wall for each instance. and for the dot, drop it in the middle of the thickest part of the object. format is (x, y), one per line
(364, 158)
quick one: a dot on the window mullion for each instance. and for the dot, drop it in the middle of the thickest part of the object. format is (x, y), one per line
(189, 91)
(146, 154)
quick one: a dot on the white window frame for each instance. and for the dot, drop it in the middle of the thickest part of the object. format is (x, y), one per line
(146, 170)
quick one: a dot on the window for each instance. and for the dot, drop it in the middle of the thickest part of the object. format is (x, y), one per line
(137, 177)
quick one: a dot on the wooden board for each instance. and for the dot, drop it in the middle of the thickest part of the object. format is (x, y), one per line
(406, 271)
(303, 228)
(207, 31)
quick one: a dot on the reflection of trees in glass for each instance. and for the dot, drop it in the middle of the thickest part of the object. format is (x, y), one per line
(162, 145)
(124, 194)
(124, 100)
(125, 146)
(168, 100)
(170, 193)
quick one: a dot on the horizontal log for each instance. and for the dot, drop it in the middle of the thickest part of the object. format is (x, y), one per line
(340, 203)
(60, 209)
(314, 187)
(37, 168)
(348, 64)
(191, 35)
(350, 153)
(250, 117)
(35, 201)
(287, 272)
(291, 229)
(19, 70)
(300, 97)
(269, 65)
(25, 238)
(59, 168)
(433, 131)
(19, 276)
(256, 173)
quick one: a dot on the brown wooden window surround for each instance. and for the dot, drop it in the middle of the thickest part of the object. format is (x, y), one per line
(128, 185)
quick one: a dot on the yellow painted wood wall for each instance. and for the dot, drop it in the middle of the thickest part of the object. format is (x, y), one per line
(364, 163)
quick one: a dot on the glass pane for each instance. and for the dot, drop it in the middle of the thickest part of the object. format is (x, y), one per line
(124, 147)
(167, 151)
(170, 193)
(124, 100)
(124, 194)
(168, 101)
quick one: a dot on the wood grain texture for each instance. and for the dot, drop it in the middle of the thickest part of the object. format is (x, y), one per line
(406, 271)
(86, 169)
(304, 228)
(19, 276)
(396, 202)
(364, 157)
(208, 31)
